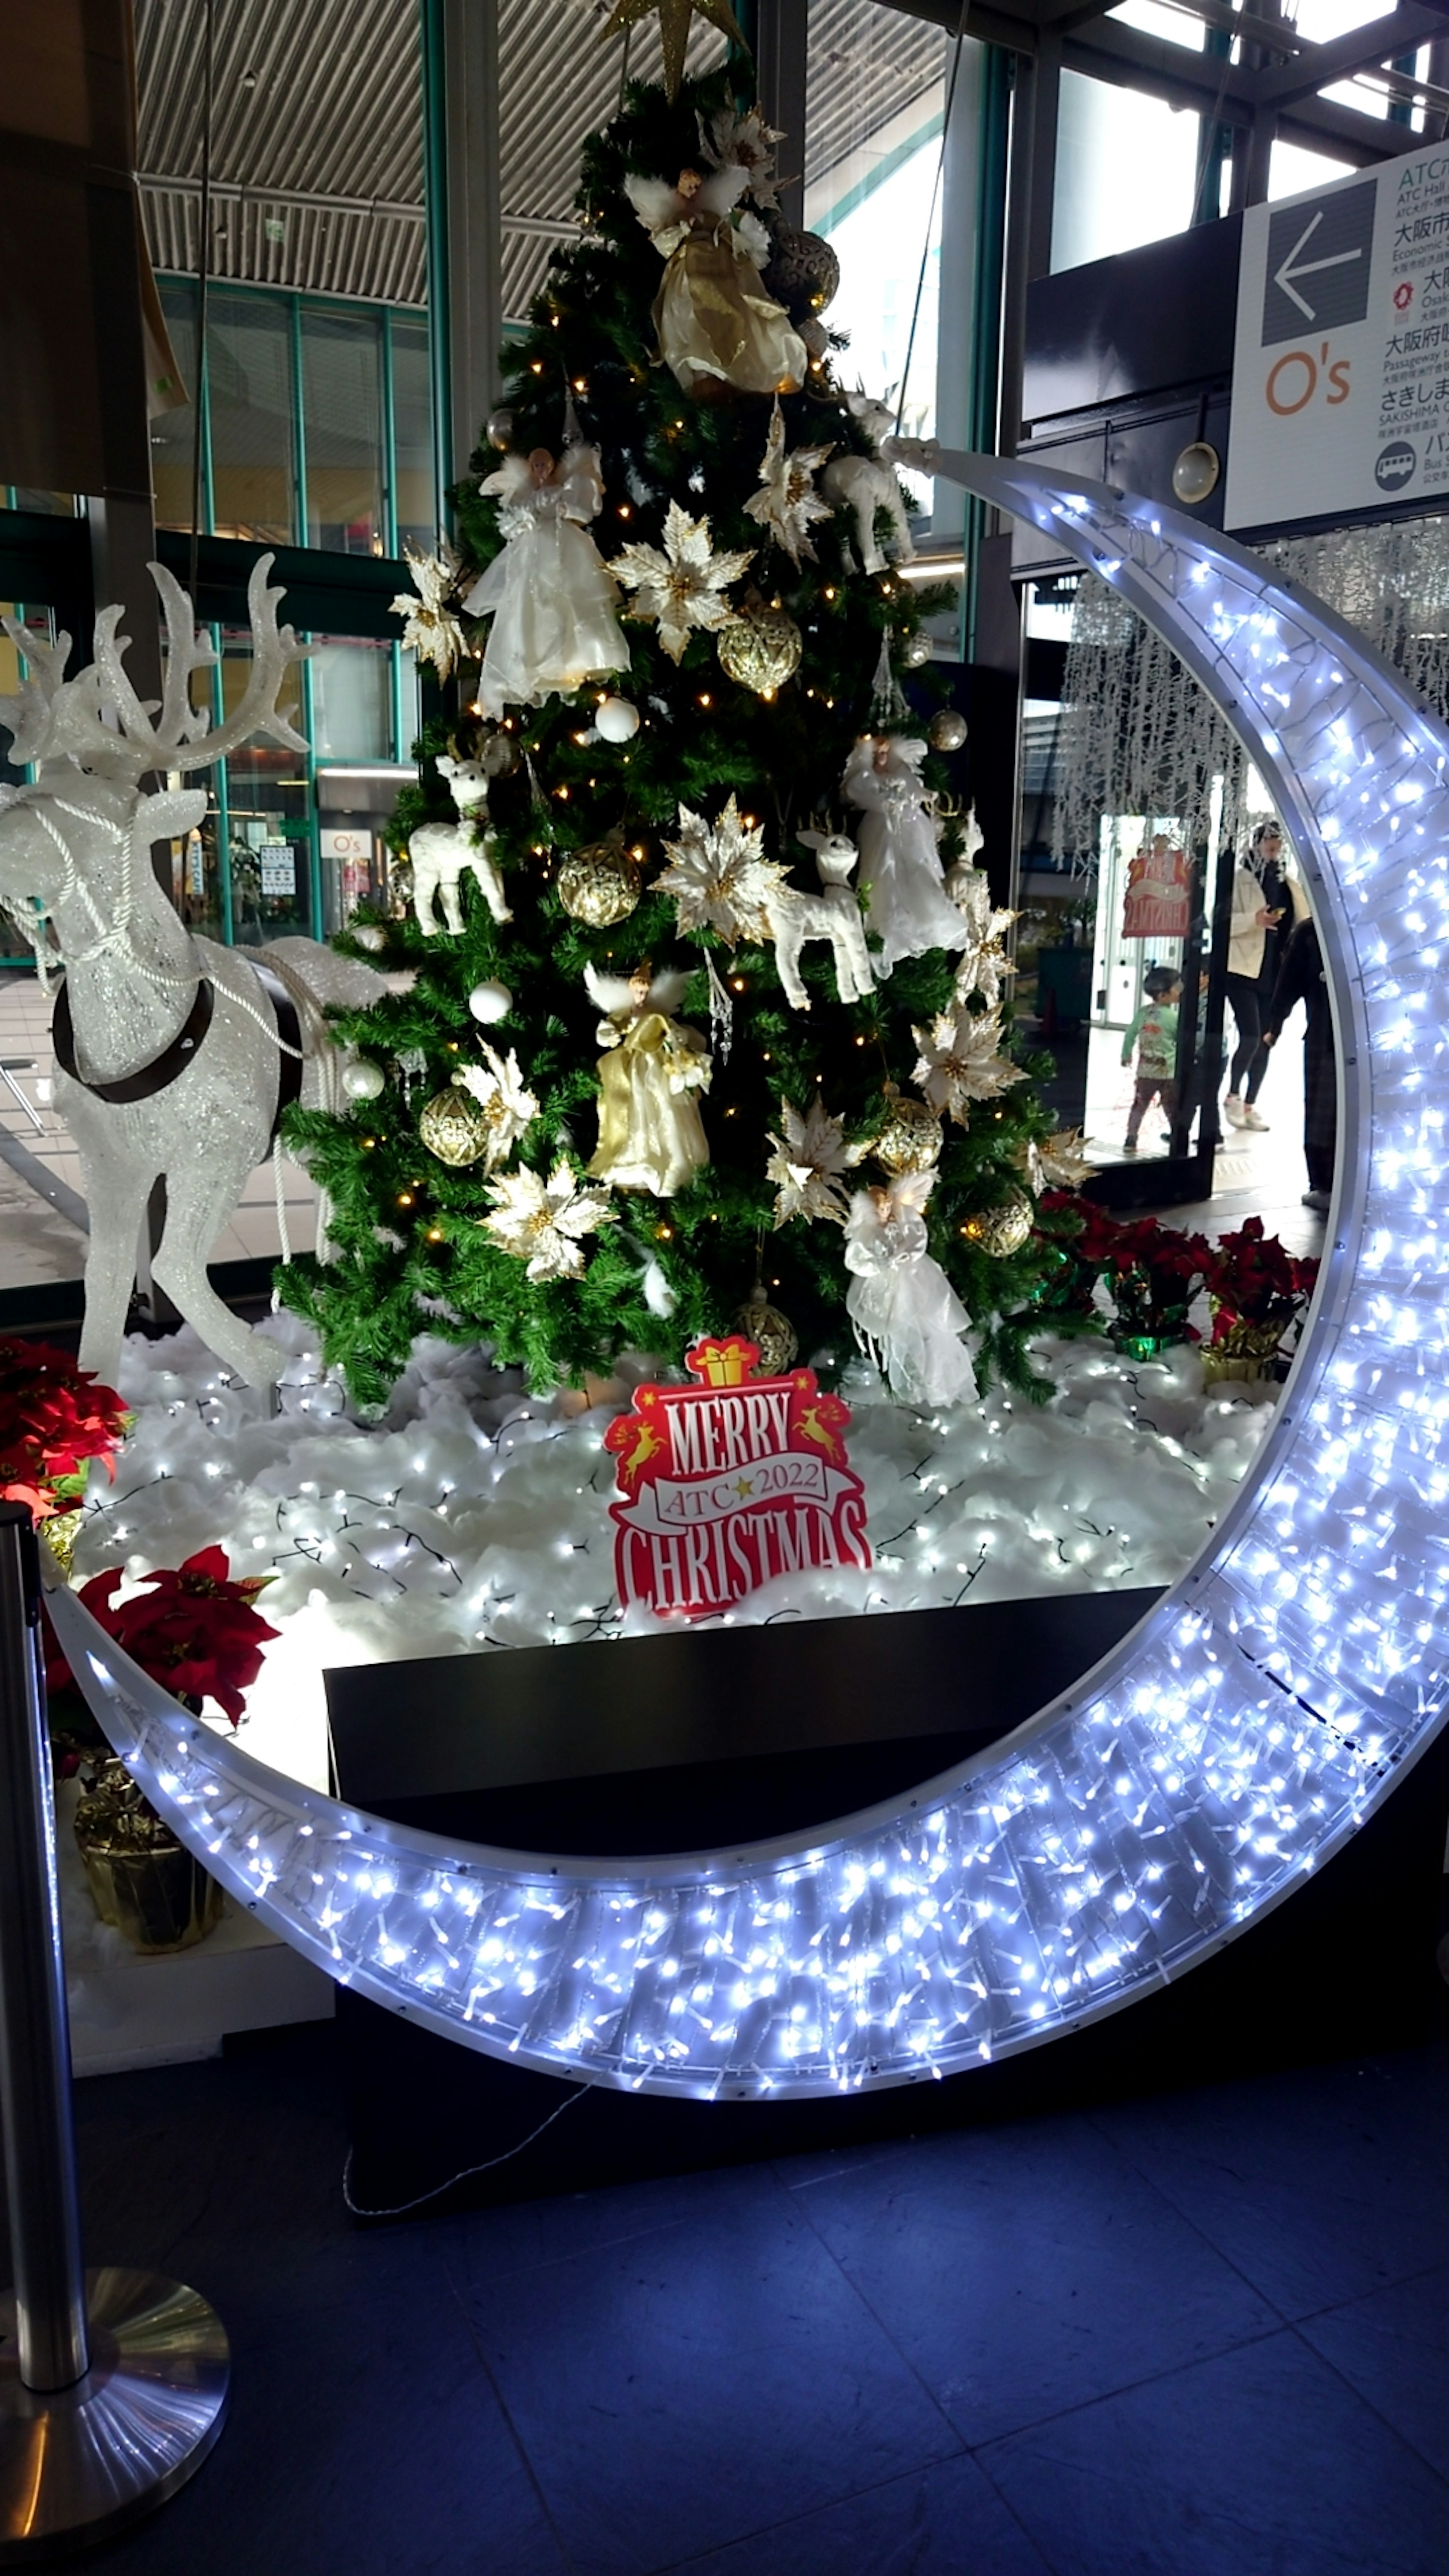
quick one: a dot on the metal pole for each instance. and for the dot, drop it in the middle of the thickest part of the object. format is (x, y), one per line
(34, 2030)
(113, 2385)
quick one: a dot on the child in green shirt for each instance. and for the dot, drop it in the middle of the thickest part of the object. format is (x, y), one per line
(1154, 1035)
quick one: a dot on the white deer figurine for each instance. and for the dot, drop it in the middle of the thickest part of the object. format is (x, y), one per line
(441, 853)
(173, 1055)
(865, 484)
(834, 915)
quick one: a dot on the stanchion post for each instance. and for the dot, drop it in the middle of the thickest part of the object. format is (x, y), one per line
(113, 2384)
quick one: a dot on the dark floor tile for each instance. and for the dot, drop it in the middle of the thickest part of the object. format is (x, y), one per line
(947, 2520)
(679, 2390)
(1259, 2462)
(525, 2233)
(364, 2440)
(1025, 2270)
(1393, 2347)
(1286, 2174)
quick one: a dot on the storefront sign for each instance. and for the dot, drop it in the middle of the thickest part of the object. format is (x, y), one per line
(724, 1485)
(1341, 371)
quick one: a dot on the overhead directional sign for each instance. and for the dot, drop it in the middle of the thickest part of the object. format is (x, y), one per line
(1341, 372)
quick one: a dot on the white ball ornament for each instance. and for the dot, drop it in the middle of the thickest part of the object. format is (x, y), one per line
(617, 719)
(489, 1002)
(363, 1080)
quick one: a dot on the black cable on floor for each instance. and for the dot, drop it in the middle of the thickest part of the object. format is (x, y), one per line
(467, 2173)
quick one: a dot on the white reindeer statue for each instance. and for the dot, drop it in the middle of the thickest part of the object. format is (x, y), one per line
(441, 853)
(834, 914)
(865, 484)
(173, 1055)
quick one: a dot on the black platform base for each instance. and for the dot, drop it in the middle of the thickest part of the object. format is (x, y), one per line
(1347, 1964)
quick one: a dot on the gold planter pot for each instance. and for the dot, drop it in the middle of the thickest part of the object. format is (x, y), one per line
(1246, 1351)
(140, 1877)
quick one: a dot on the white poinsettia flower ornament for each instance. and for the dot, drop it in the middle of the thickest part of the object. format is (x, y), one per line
(504, 1098)
(805, 1163)
(787, 502)
(431, 628)
(719, 875)
(734, 142)
(542, 1222)
(681, 588)
(1056, 1162)
(961, 1061)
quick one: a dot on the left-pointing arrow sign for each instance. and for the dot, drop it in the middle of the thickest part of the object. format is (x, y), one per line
(1295, 266)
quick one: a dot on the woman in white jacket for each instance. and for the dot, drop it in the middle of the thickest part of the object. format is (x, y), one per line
(1263, 897)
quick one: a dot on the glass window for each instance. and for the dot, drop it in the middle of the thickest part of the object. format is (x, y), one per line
(249, 378)
(876, 102)
(1126, 171)
(1291, 170)
(342, 431)
(351, 685)
(268, 814)
(173, 433)
(414, 500)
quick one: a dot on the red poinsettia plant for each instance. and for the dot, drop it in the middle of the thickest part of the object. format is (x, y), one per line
(1152, 1272)
(1252, 1280)
(54, 1417)
(192, 1629)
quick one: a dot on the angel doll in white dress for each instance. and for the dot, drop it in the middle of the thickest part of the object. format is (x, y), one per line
(550, 591)
(651, 1135)
(718, 327)
(900, 864)
(907, 1315)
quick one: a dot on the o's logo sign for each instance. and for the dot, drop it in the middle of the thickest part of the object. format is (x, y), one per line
(1293, 380)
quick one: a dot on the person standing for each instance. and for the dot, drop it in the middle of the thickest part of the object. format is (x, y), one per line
(1154, 1035)
(1301, 979)
(1262, 900)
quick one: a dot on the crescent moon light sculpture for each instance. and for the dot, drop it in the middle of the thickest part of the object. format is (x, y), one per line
(1252, 1722)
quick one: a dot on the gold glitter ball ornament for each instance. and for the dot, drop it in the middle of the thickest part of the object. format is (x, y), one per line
(1002, 1230)
(455, 1128)
(910, 1140)
(772, 1333)
(599, 884)
(947, 730)
(760, 647)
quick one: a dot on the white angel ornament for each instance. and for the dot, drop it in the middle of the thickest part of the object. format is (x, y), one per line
(907, 1316)
(718, 328)
(651, 1136)
(900, 863)
(550, 592)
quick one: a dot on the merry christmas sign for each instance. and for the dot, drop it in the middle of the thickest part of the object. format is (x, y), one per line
(724, 1485)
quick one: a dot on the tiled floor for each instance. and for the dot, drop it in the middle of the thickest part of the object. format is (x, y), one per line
(37, 1243)
(1197, 2335)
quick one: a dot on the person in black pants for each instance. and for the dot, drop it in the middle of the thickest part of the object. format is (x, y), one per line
(1261, 902)
(1301, 979)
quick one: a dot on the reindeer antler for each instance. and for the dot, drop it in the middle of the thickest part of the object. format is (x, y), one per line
(274, 649)
(26, 716)
(186, 651)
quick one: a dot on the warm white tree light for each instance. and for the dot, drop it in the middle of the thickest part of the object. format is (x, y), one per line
(1256, 1718)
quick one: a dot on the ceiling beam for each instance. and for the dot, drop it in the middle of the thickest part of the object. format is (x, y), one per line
(1401, 32)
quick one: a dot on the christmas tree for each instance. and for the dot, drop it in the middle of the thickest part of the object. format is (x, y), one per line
(670, 1061)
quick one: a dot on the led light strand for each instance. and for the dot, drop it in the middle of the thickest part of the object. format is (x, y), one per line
(1246, 1731)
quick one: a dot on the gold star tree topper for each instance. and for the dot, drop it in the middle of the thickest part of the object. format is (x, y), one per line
(683, 588)
(674, 23)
